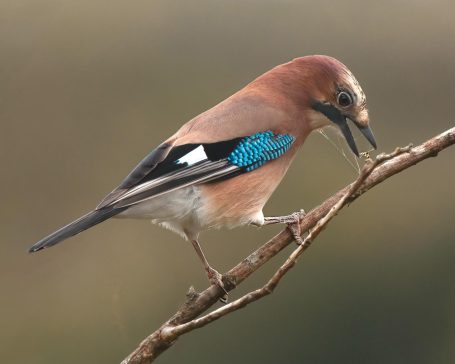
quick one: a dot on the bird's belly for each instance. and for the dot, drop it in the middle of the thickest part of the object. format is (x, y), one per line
(240, 200)
(189, 210)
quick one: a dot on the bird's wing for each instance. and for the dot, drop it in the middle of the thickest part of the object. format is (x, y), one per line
(171, 167)
(145, 167)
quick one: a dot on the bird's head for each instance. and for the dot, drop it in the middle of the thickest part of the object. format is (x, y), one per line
(333, 97)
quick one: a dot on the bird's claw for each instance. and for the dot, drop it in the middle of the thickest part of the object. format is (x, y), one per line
(295, 217)
(294, 228)
(293, 223)
(216, 279)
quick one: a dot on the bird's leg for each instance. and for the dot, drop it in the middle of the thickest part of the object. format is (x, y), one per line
(213, 275)
(292, 221)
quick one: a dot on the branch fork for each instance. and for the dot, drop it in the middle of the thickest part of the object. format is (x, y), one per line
(188, 318)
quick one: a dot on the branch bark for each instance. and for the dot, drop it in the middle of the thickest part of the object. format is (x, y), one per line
(186, 318)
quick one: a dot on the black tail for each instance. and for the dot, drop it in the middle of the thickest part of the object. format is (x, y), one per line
(83, 223)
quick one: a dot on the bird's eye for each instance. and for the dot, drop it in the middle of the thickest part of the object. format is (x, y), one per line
(344, 99)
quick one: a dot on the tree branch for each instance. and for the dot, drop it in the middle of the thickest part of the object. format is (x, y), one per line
(186, 318)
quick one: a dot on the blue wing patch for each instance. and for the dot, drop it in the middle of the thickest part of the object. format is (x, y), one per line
(255, 150)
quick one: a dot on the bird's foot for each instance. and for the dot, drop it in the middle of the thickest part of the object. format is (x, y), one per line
(292, 221)
(216, 278)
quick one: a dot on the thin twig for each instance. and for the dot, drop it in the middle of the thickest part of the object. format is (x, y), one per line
(185, 320)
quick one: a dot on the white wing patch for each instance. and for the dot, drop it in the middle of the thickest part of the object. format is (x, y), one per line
(196, 155)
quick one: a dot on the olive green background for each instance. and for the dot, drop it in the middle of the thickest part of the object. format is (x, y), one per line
(87, 88)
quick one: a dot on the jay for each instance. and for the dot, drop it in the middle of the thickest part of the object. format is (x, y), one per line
(220, 168)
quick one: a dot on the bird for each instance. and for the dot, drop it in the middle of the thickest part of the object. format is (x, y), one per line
(221, 167)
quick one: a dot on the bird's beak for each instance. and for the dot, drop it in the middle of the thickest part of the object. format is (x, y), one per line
(364, 129)
(335, 115)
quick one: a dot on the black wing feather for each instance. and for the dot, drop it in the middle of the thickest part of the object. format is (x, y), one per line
(164, 165)
(147, 165)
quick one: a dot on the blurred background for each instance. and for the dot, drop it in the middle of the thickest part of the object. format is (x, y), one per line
(88, 88)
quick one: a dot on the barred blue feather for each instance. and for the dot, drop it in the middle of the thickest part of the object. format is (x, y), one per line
(255, 150)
